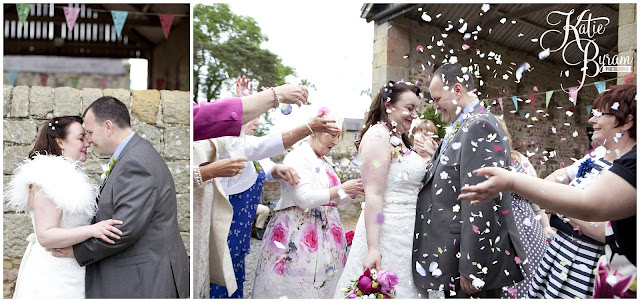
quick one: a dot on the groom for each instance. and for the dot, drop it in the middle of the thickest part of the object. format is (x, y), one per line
(149, 260)
(461, 249)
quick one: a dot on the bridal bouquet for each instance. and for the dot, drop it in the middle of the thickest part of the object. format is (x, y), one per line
(373, 285)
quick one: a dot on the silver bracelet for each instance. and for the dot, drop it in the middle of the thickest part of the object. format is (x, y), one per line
(197, 176)
(278, 98)
(309, 127)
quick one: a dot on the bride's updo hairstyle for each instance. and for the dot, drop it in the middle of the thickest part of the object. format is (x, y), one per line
(389, 93)
(56, 127)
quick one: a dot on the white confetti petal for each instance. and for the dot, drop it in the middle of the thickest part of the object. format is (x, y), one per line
(426, 17)
(456, 145)
(420, 270)
(279, 245)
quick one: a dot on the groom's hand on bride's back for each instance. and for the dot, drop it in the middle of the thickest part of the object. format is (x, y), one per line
(105, 229)
(66, 252)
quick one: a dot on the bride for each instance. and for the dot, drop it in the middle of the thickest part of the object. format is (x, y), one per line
(56, 193)
(392, 177)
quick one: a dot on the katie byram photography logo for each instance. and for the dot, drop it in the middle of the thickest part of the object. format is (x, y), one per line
(581, 36)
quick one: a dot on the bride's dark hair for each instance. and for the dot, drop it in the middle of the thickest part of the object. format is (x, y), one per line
(378, 111)
(56, 127)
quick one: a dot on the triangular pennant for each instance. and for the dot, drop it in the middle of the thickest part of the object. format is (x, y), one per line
(500, 102)
(166, 20)
(103, 82)
(74, 81)
(601, 86)
(515, 102)
(23, 12)
(549, 94)
(589, 109)
(573, 95)
(160, 83)
(119, 17)
(628, 79)
(71, 15)
(521, 114)
(486, 103)
(533, 102)
(13, 75)
(43, 79)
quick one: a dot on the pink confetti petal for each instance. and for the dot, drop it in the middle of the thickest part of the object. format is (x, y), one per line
(465, 46)
(380, 218)
(475, 228)
(517, 259)
(505, 212)
(497, 148)
(507, 252)
(420, 48)
(535, 88)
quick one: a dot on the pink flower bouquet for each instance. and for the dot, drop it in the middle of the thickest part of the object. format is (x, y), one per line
(373, 285)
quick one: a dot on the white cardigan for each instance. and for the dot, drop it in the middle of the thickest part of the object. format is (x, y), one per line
(313, 189)
(255, 148)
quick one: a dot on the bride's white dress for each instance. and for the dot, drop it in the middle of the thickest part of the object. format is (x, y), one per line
(396, 234)
(41, 275)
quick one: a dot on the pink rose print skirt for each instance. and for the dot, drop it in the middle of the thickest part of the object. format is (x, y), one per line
(303, 254)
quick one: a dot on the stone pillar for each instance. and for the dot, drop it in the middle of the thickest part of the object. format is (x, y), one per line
(627, 42)
(390, 46)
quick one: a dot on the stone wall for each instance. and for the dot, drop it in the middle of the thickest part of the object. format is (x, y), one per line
(627, 36)
(162, 117)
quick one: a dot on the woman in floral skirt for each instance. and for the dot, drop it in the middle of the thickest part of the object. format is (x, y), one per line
(304, 246)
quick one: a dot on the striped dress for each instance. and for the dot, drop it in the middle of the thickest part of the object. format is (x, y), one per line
(566, 271)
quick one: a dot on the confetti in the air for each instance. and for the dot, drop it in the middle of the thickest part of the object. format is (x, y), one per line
(420, 270)
(344, 163)
(426, 17)
(286, 109)
(420, 48)
(485, 8)
(544, 54)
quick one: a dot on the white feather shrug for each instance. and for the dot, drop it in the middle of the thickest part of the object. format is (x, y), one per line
(61, 179)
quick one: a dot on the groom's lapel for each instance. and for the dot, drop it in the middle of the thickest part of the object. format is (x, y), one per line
(132, 142)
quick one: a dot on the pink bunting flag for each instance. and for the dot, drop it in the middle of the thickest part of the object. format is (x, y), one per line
(103, 82)
(533, 103)
(500, 102)
(166, 20)
(160, 83)
(573, 95)
(43, 79)
(71, 15)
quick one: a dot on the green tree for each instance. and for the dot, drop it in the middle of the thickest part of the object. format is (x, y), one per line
(436, 118)
(227, 45)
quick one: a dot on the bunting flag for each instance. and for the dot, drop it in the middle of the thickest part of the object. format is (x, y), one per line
(103, 83)
(71, 15)
(23, 12)
(573, 95)
(166, 20)
(13, 75)
(43, 79)
(486, 103)
(160, 83)
(589, 109)
(549, 94)
(601, 86)
(119, 17)
(533, 103)
(515, 102)
(521, 114)
(74, 81)
(500, 102)
(628, 79)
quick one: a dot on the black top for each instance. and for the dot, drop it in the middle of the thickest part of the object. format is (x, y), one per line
(623, 240)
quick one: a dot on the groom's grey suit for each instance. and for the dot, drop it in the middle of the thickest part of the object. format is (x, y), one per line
(149, 260)
(464, 239)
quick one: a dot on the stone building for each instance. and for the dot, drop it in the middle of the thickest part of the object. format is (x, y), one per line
(162, 117)
(60, 71)
(412, 40)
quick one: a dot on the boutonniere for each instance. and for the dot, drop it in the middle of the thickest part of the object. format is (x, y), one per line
(452, 130)
(585, 167)
(107, 169)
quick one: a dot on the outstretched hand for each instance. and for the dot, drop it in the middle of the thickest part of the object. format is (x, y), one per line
(285, 173)
(244, 86)
(499, 180)
(321, 124)
(292, 94)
